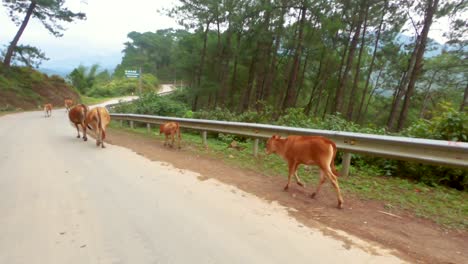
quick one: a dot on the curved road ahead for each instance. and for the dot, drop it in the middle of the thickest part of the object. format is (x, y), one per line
(65, 201)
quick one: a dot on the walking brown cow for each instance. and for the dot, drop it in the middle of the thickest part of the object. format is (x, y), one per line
(308, 150)
(170, 129)
(68, 104)
(77, 116)
(97, 120)
(48, 110)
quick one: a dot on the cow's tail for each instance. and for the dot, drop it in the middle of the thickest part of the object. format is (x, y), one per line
(332, 164)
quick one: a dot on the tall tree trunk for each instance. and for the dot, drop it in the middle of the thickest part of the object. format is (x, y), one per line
(372, 63)
(316, 82)
(431, 10)
(426, 96)
(234, 86)
(271, 74)
(202, 64)
(465, 99)
(320, 91)
(225, 59)
(352, 96)
(264, 47)
(325, 109)
(14, 42)
(340, 90)
(371, 94)
(301, 81)
(400, 89)
(291, 88)
(396, 101)
(245, 102)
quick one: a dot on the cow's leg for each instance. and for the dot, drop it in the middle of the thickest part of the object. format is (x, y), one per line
(98, 137)
(292, 170)
(77, 130)
(334, 181)
(173, 139)
(83, 126)
(322, 180)
(298, 181)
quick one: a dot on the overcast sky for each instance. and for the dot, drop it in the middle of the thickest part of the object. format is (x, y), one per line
(101, 36)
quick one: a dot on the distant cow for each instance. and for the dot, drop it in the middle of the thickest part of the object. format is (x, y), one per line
(308, 150)
(48, 110)
(170, 129)
(77, 116)
(97, 120)
(68, 104)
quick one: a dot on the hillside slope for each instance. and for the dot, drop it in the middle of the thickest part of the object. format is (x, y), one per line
(25, 88)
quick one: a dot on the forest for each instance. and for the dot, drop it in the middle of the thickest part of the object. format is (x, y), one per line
(371, 62)
(362, 66)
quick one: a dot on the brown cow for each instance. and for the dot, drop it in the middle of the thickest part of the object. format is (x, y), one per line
(170, 129)
(77, 116)
(68, 104)
(308, 150)
(97, 120)
(48, 110)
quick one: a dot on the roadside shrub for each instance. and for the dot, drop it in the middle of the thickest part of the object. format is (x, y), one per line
(153, 104)
(123, 86)
(447, 124)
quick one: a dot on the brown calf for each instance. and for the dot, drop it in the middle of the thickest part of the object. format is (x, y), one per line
(308, 150)
(77, 116)
(170, 129)
(68, 104)
(97, 120)
(48, 110)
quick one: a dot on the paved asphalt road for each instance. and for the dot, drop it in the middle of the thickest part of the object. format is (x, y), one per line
(66, 201)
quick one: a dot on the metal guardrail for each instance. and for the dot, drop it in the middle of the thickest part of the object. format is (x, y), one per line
(437, 152)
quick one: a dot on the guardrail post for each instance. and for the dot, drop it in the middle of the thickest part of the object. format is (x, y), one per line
(148, 127)
(346, 163)
(131, 124)
(255, 147)
(121, 123)
(205, 143)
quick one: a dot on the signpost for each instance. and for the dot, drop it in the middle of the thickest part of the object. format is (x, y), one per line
(135, 74)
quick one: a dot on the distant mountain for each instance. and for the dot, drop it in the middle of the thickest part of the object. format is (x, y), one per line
(66, 63)
(433, 48)
(61, 73)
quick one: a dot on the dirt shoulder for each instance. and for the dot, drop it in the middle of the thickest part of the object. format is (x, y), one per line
(414, 239)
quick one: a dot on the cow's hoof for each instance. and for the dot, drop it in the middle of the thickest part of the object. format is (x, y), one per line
(312, 195)
(78, 136)
(301, 184)
(85, 139)
(286, 188)
(340, 205)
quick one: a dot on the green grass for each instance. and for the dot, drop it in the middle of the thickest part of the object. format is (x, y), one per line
(93, 100)
(445, 206)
